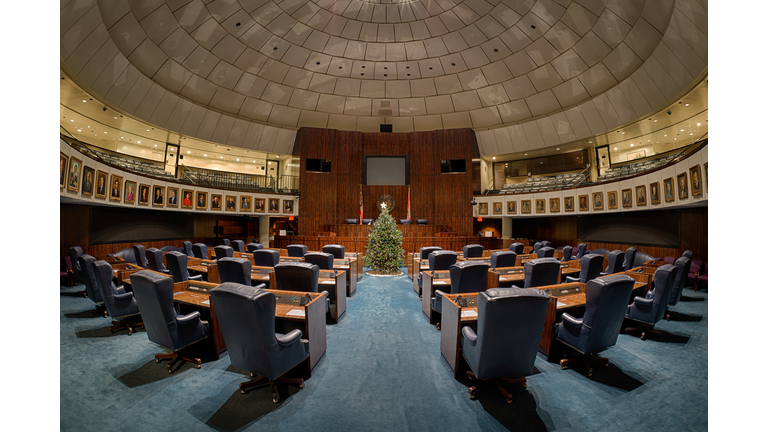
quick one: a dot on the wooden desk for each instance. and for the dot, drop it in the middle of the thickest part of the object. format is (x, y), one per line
(122, 271)
(441, 279)
(348, 265)
(205, 267)
(195, 295)
(335, 282)
(508, 276)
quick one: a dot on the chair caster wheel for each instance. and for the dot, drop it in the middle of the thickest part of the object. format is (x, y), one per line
(438, 326)
(589, 373)
(301, 386)
(274, 400)
(198, 366)
(509, 401)
(157, 360)
(242, 391)
(170, 371)
(525, 385)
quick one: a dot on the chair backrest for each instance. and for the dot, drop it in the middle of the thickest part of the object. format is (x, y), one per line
(442, 259)
(683, 265)
(607, 300)
(669, 259)
(663, 280)
(425, 251)
(502, 352)
(501, 259)
(336, 250)
(615, 262)
(545, 252)
(140, 252)
(695, 267)
(236, 270)
(581, 250)
(155, 259)
(567, 252)
(177, 264)
(469, 276)
(250, 247)
(226, 242)
(688, 254)
(541, 272)
(200, 250)
(405, 221)
(170, 248)
(351, 221)
(186, 247)
(367, 221)
(128, 255)
(546, 243)
(154, 295)
(91, 284)
(536, 247)
(642, 257)
(266, 257)
(297, 276)
(296, 250)
(629, 258)
(76, 252)
(115, 308)
(517, 248)
(238, 245)
(322, 260)
(223, 252)
(421, 221)
(473, 251)
(601, 251)
(591, 266)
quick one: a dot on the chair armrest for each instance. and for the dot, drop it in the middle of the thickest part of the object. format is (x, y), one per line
(189, 318)
(469, 334)
(569, 279)
(439, 293)
(196, 277)
(288, 339)
(124, 296)
(643, 304)
(327, 296)
(571, 321)
(120, 290)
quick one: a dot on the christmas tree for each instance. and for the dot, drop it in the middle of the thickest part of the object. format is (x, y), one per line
(385, 252)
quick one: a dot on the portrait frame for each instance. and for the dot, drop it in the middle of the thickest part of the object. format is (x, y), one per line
(201, 201)
(669, 190)
(626, 198)
(245, 203)
(287, 206)
(143, 187)
(525, 206)
(511, 207)
(86, 189)
(274, 205)
(568, 204)
(190, 195)
(597, 201)
(640, 196)
(129, 198)
(682, 185)
(74, 172)
(541, 206)
(497, 208)
(583, 202)
(706, 177)
(172, 199)
(259, 205)
(155, 196)
(554, 205)
(101, 175)
(482, 208)
(613, 200)
(230, 199)
(63, 171)
(696, 191)
(655, 199)
(115, 187)
(216, 202)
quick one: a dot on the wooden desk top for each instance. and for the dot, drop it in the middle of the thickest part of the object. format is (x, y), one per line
(203, 300)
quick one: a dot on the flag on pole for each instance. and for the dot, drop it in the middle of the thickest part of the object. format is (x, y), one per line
(409, 202)
(361, 204)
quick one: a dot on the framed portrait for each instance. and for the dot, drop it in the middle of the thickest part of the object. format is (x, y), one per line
(640, 195)
(274, 205)
(583, 202)
(231, 203)
(655, 195)
(597, 201)
(75, 169)
(259, 205)
(511, 207)
(101, 184)
(525, 206)
(143, 194)
(88, 177)
(568, 202)
(554, 205)
(706, 176)
(682, 186)
(497, 208)
(216, 201)
(115, 187)
(245, 203)
(129, 195)
(612, 200)
(186, 198)
(482, 208)
(669, 190)
(696, 186)
(173, 197)
(288, 206)
(201, 203)
(540, 206)
(158, 196)
(626, 198)
(63, 170)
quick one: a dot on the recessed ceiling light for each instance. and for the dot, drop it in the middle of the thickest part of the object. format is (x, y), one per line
(155, 145)
(675, 138)
(122, 137)
(269, 163)
(115, 118)
(655, 121)
(238, 159)
(79, 130)
(615, 148)
(85, 100)
(138, 142)
(71, 120)
(278, 156)
(494, 158)
(682, 130)
(622, 133)
(698, 124)
(687, 104)
(205, 155)
(590, 142)
(631, 145)
(664, 135)
(221, 157)
(557, 148)
(89, 127)
(105, 132)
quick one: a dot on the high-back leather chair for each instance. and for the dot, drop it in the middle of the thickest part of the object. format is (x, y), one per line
(545, 252)
(177, 265)
(169, 248)
(226, 242)
(652, 308)
(91, 284)
(246, 317)
(683, 265)
(421, 221)
(76, 252)
(223, 252)
(517, 248)
(425, 251)
(615, 263)
(496, 351)
(300, 276)
(128, 255)
(466, 277)
(688, 254)
(442, 259)
(336, 250)
(351, 221)
(119, 304)
(581, 250)
(186, 247)
(266, 257)
(250, 247)
(236, 270)
(154, 296)
(296, 250)
(405, 221)
(367, 221)
(140, 253)
(567, 252)
(642, 257)
(155, 260)
(541, 272)
(629, 258)
(591, 266)
(546, 243)
(607, 300)
(473, 251)
(536, 247)
(238, 246)
(501, 259)
(322, 260)
(200, 250)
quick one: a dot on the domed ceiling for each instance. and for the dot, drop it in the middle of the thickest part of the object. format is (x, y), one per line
(523, 74)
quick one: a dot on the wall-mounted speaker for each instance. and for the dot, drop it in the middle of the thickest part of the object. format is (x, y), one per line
(385, 128)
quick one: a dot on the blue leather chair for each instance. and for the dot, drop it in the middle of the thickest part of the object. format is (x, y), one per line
(642, 257)
(652, 308)
(237, 270)
(75, 252)
(473, 251)
(128, 255)
(200, 250)
(223, 252)
(336, 250)
(226, 242)
(177, 265)
(517, 248)
(541, 272)
(300, 276)
(238, 246)
(502, 259)
(170, 248)
(546, 243)
(250, 247)
(154, 296)
(322, 260)
(688, 254)
(155, 260)
(119, 304)
(545, 252)
(367, 221)
(629, 258)
(186, 247)
(683, 265)
(567, 253)
(85, 262)
(509, 326)
(425, 251)
(607, 300)
(601, 251)
(296, 250)
(266, 257)
(581, 250)
(351, 221)
(536, 247)
(466, 277)
(439, 260)
(140, 252)
(246, 317)
(421, 221)
(615, 263)
(405, 221)
(591, 266)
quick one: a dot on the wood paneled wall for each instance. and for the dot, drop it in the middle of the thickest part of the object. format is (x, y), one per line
(330, 198)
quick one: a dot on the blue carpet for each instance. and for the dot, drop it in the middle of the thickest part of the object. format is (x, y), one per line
(382, 371)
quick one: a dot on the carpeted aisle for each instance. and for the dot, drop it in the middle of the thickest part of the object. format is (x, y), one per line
(382, 371)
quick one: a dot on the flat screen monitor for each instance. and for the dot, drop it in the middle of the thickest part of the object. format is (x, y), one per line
(453, 166)
(318, 165)
(386, 170)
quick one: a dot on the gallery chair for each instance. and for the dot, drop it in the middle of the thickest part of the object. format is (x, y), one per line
(545, 252)
(186, 247)
(247, 320)
(607, 300)
(154, 295)
(119, 304)
(591, 266)
(541, 272)
(155, 260)
(322, 260)
(140, 253)
(200, 250)
(567, 252)
(238, 246)
(236, 270)
(502, 259)
(615, 263)
(296, 250)
(250, 247)
(300, 276)
(266, 257)
(496, 353)
(629, 258)
(517, 248)
(466, 277)
(177, 265)
(91, 284)
(439, 260)
(581, 250)
(652, 308)
(336, 250)
(473, 251)
(223, 252)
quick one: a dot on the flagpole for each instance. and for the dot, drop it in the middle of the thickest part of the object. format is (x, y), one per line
(361, 204)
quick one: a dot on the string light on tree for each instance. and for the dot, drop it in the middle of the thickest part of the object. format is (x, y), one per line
(385, 253)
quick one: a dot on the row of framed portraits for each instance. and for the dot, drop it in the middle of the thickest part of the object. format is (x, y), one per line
(78, 178)
(598, 203)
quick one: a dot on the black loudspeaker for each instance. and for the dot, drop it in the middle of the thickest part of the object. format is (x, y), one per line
(385, 128)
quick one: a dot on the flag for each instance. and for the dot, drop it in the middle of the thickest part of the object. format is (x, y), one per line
(361, 204)
(409, 202)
